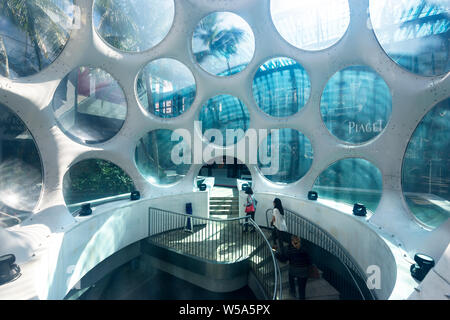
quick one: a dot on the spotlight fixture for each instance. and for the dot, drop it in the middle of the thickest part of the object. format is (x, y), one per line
(135, 195)
(9, 271)
(312, 195)
(85, 210)
(200, 185)
(423, 264)
(359, 210)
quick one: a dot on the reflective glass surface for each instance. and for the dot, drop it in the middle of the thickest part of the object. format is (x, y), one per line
(89, 105)
(223, 43)
(414, 33)
(32, 34)
(285, 155)
(224, 112)
(310, 25)
(351, 181)
(133, 25)
(157, 155)
(94, 179)
(20, 170)
(172, 88)
(356, 104)
(426, 167)
(281, 87)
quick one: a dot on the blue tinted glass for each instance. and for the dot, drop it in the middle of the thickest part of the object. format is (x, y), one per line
(285, 155)
(426, 167)
(223, 43)
(351, 181)
(356, 104)
(414, 33)
(133, 25)
(32, 34)
(310, 25)
(94, 179)
(20, 170)
(281, 87)
(172, 88)
(225, 112)
(89, 105)
(154, 158)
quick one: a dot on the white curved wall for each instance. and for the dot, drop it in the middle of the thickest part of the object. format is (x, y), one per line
(412, 97)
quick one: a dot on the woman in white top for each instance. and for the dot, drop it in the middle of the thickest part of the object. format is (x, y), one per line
(278, 222)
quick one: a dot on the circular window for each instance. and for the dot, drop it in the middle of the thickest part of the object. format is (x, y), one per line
(166, 88)
(426, 168)
(89, 105)
(311, 25)
(32, 35)
(351, 181)
(224, 120)
(285, 155)
(20, 170)
(281, 87)
(414, 33)
(356, 104)
(134, 25)
(163, 157)
(223, 43)
(94, 179)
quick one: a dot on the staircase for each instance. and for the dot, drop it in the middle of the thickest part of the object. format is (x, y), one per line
(224, 202)
(316, 289)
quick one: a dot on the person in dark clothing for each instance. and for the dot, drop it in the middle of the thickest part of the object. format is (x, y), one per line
(250, 208)
(299, 262)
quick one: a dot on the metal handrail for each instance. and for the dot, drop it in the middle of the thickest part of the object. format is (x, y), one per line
(334, 247)
(164, 224)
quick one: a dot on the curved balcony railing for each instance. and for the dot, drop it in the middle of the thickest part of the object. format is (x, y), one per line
(305, 229)
(218, 241)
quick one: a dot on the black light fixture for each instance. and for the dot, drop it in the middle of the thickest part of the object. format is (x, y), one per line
(200, 185)
(135, 195)
(312, 195)
(423, 264)
(9, 271)
(85, 210)
(245, 186)
(359, 210)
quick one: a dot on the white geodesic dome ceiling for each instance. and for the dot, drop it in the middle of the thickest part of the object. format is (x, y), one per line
(413, 96)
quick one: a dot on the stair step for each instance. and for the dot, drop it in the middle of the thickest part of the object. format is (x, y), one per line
(224, 206)
(224, 198)
(223, 212)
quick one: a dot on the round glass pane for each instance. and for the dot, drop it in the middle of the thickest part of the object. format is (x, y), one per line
(414, 33)
(94, 179)
(162, 157)
(224, 120)
(133, 25)
(351, 181)
(89, 105)
(166, 88)
(285, 155)
(32, 34)
(310, 25)
(356, 104)
(426, 168)
(20, 170)
(223, 43)
(281, 87)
